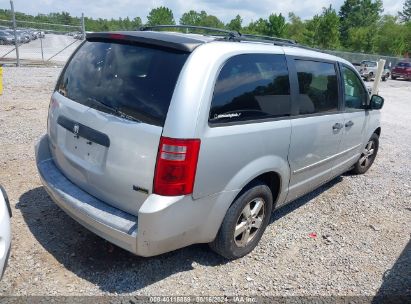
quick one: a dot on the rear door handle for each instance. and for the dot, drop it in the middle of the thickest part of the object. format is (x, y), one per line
(337, 126)
(349, 124)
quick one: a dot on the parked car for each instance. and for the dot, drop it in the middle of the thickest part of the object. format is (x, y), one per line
(78, 35)
(402, 70)
(27, 36)
(35, 33)
(21, 36)
(5, 231)
(6, 38)
(160, 140)
(368, 70)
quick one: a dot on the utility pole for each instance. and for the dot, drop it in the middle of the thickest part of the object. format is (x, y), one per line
(16, 43)
(377, 79)
(41, 46)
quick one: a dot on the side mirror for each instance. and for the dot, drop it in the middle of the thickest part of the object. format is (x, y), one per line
(376, 102)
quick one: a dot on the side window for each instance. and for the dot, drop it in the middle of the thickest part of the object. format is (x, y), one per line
(355, 96)
(318, 87)
(249, 87)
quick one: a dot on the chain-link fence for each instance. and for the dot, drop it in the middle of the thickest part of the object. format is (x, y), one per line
(29, 42)
(358, 57)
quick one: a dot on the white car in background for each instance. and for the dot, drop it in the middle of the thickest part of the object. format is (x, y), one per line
(368, 70)
(5, 231)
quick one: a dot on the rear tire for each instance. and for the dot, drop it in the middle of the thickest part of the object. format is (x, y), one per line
(244, 222)
(368, 155)
(393, 77)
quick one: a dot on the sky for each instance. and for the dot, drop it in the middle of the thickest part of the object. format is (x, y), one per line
(225, 10)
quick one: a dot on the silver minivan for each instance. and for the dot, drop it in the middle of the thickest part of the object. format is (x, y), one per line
(157, 140)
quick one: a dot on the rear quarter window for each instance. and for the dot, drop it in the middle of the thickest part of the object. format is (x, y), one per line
(137, 80)
(251, 87)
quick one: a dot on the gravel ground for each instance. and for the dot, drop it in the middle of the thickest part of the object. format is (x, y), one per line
(363, 224)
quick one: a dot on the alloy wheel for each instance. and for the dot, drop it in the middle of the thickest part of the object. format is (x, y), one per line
(367, 154)
(249, 222)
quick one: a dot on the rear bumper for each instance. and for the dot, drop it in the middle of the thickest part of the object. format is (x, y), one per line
(110, 223)
(403, 75)
(163, 223)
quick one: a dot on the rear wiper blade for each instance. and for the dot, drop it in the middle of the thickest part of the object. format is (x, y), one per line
(111, 109)
(102, 105)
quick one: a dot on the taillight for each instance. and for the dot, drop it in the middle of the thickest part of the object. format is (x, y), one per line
(176, 166)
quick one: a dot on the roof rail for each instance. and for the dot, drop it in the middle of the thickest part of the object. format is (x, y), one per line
(263, 38)
(277, 41)
(230, 35)
(234, 35)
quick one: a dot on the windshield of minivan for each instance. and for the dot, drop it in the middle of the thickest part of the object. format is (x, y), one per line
(370, 64)
(132, 79)
(404, 64)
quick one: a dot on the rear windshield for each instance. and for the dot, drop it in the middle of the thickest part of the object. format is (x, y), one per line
(404, 64)
(132, 79)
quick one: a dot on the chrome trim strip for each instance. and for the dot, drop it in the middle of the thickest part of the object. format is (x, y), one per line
(325, 160)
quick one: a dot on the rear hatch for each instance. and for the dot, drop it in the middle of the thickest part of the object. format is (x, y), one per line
(107, 114)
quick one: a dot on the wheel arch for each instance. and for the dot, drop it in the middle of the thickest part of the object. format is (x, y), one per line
(271, 169)
(272, 179)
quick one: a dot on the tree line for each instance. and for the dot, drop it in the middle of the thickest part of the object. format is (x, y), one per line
(359, 26)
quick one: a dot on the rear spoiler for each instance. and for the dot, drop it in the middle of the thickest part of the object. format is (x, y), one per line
(158, 39)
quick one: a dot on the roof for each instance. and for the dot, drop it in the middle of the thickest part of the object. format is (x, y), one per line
(188, 42)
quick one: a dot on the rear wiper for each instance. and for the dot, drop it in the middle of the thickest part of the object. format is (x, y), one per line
(111, 109)
(103, 105)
